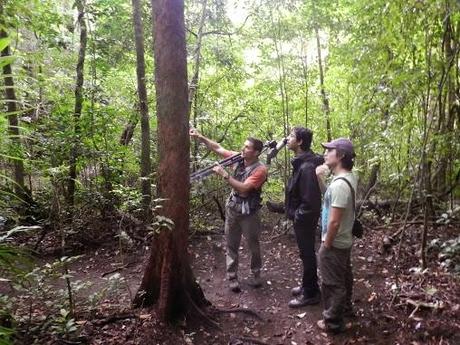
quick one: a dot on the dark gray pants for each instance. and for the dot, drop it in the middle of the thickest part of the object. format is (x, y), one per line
(336, 284)
(237, 224)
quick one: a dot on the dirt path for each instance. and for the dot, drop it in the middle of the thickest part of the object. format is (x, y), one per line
(380, 319)
(281, 325)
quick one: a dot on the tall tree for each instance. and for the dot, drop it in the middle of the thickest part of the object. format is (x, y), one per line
(193, 88)
(448, 108)
(168, 279)
(78, 102)
(13, 121)
(324, 97)
(144, 111)
(304, 62)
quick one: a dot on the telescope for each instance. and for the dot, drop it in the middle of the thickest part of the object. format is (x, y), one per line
(272, 146)
(274, 149)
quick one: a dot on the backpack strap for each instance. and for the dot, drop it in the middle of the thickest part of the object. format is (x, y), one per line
(352, 193)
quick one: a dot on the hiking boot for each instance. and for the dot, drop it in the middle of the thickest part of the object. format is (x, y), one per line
(332, 329)
(254, 282)
(302, 300)
(298, 290)
(234, 286)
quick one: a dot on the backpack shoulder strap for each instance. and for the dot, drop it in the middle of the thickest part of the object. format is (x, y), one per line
(252, 167)
(352, 191)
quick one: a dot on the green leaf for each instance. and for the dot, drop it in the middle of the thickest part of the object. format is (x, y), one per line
(4, 42)
(6, 60)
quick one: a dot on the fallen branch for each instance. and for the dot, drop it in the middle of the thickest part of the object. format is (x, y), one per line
(397, 223)
(421, 304)
(118, 269)
(388, 241)
(236, 339)
(71, 342)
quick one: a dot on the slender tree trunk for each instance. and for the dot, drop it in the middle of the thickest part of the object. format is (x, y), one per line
(284, 96)
(193, 88)
(13, 121)
(144, 111)
(13, 125)
(78, 102)
(376, 168)
(447, 100)
(324, 96)
(426, 215)
(168, 279)
(424, 171)
(304, 61)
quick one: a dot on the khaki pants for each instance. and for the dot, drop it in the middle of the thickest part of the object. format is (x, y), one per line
(336, 285)
(237, 224)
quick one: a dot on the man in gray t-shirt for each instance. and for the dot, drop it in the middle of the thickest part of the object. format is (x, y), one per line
(338, 195)
(337, 220)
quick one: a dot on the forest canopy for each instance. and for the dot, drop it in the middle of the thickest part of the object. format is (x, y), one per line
(387, 78)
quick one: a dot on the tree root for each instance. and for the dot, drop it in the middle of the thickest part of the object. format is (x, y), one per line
(202, 315)
(240, 310)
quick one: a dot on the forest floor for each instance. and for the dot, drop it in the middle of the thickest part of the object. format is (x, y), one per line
(422, 308)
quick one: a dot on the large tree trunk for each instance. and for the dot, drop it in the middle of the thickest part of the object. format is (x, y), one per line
(13, 122)
(78, 102)
(168, 279)
(143, 106)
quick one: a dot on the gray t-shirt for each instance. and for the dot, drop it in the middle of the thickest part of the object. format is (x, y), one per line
(338, 194)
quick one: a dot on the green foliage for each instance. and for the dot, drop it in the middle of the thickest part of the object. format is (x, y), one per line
(5, 60)
(112, 287)
(14, 265)
(161, 223)
(63, 324)
(5, 336)
(391, 85)
(6, 333)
